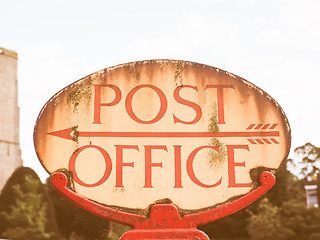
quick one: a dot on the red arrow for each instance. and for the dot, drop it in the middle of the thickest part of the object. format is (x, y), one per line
(66, 133)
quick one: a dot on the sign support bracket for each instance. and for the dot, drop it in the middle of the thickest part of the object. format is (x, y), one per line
(164, 222)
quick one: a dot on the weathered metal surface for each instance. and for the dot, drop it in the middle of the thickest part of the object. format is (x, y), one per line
(164, 220)
(162, 131)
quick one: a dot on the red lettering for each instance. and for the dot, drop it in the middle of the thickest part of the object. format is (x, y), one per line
(190, 167)
(97, 100)
(185, 102)
(220, 100)
(120, 164)
(232, 164)
(72, 166)
(163, 104)
(177, 166)
(149, 164)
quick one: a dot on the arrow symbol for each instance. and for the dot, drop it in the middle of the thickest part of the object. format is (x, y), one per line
(74, 134)
(65, 133)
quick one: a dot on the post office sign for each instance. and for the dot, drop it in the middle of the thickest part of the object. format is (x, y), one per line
(162, 130)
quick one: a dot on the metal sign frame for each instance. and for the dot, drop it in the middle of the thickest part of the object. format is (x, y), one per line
(164, 221)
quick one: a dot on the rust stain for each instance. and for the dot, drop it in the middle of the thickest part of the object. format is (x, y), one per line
(213, 122)
(75, 134)
(118, 190)
(178, 78)
(217, 159)
(255, 174)
(81, 93)
(132, 70)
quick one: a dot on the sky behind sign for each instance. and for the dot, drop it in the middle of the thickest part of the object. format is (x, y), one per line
(273, 44)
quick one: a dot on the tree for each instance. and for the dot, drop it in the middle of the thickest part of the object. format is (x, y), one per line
(308, 163)
(74, 222)
(235, 226)
(287, 187)
(25, 210)
(300, 219)
(267, 224)
(292, 220)
(232, 226)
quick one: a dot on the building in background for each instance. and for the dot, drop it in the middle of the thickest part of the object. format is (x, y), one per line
(311, 195)
(10, 153)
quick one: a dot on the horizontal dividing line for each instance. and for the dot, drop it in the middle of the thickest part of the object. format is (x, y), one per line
(179, 134)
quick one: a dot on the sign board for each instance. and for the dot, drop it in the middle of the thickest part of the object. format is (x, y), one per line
(159, 131)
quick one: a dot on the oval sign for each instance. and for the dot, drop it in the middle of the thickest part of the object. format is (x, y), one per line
(146, 131)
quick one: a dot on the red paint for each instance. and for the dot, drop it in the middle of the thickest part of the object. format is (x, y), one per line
(72, 165)
(185, 102)
(175, 234)
(263, 141)
(164, 221)
(177, 166)
(274, 126)
(149, 164)
(120, 164)
(266, 141)
(232, 165)
(266, 126)
(191, 172)
(259, 141)
(262, 126)
(66, 134)
(251, 141)
(97, 100)
(220, 100)
(163, 104)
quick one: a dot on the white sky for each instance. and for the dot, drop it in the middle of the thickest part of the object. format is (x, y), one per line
(274, 44)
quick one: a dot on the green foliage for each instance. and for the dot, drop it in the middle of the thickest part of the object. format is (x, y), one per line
(293, 220)
(25, 209)
(284, 214)
(287, 187)
(235, 226)
(308, 160)
(308, 163)
(26, 212)
(74, 222)
(300, 219)
(267, 224)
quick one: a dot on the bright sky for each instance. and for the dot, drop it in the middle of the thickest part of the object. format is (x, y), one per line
(274, 44)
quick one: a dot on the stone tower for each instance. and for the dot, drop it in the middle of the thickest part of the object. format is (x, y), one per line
(10, 154)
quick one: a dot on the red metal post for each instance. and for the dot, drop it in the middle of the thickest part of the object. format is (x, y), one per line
(164, 221)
